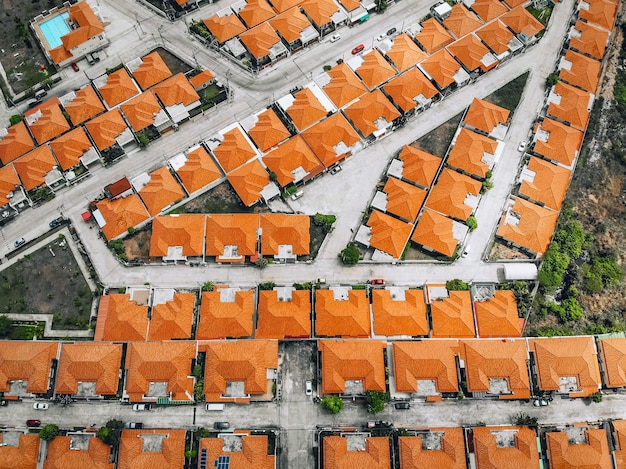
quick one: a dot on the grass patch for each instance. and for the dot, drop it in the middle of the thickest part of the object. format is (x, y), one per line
(510, 94)
(438, 140)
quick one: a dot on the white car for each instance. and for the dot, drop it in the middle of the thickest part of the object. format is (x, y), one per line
(380, 37)
(140, 407)
(521, 147)
(308, 388)
(335, 38)
(40, 406)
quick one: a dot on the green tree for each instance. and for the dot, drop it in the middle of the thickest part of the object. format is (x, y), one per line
(597, 397)
(15, 118)
(49, 432)
(524, 420)
(325, 221)
(602, 273)
(143, 140)
(208, 286)
(472, 223)
(350, 255)
(273, 176)
(5, 326)
(572, 239)
(376, 401)
(190, 453)
(552, 79)
(261, 262)
(202, 433)
(457, 284)
(332, 403)
(111, 432)
(554, 265)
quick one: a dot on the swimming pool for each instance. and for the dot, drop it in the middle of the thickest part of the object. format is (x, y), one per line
(54, 28)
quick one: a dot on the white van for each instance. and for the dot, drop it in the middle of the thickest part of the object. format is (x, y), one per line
(211, 407)
(297, 195)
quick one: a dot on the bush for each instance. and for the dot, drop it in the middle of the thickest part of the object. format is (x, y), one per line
(49, 432)
(597, 397)
(457, 284)
(15, 119)
(332, 403)
(350, 255)
(552, 80)
(376, 401)
(325, 221)
(572, 239)
(208, 286)
(602, 273)
(327, 67)
(143, 140)
(472, 223)
(267, 286)
(524, 420)
(111, 432)
(553, 268)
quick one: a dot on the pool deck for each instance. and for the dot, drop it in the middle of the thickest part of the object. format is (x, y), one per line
(40, 19)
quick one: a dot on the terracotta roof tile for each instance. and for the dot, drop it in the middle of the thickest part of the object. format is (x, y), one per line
(23, 456)
(388, 234)
(118, 88)
(105, 128)
(69, 147)
(619, 431)
(473, 153)
(574, 106)
(47, 122)
(280, 319)
(491, 455)
(376, 455)
(354, 360)
(306, 109)
(201, 78)
(181, 230)
(60, 454)
(248, 181)
(319, 11)
(453, 316)
(259, 40)
(223, 230)
(433, 36)
(252, 454)
(120, 319)
(224, 27)
(15, 143)
(449, 194)
(461, 21)
(418, 166)
(349, 317)
(59, 54)
(410, 89)
(331, 140)
(583, 71)
(246, 361)
(151, 71)
(496, 35)
(8, 183)
(161, 191)
(531, 227)
(593, 454)
(436, 232)
(449, 455)
(598, 12)
(162, 362)
(231, 317)
(614, 362)
(403, 199)
(565, 357)
(89, 362)
(485, 116)
(234, 150)
(371, 113)
(488, 10)
(521, 21)
(473, 54)
(176, 90)
(290, 24)
(88, 23)
(28, 361)
(426, 360)
(33, 167)
(344, 86)
(589, 39)
(557, 141)
(291, 158)
(549, 184)
(513, 3)
(441, 67)
(121, 214)
(497, 316)
(350, 5)
(374, 70)
(173, 319)
(268, 130)
(404, 53)
(279, 229)
(133, 455)
(284, 5)
(141, 111)
(198, 171)
(399, 314)
(256, 12)
(84, 106)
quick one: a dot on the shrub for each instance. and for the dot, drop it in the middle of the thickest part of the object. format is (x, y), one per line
(350, 255)
(208, 286)
(325, 221)
(552, 80)
(524, 419)
(49, 432)
(554, 265)
(597, 397)
(457, 284)
(376, 401)
(15, 119)
(327, 67)
(572, 238)
(472, 223)
(602, 273)
(267, 286)
(143, 140)
(332, 403)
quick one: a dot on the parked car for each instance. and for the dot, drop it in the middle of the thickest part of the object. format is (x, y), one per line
(391, 31)
(380, 37)
(466, 251)
(377, 281)
(4, 403)
(133, 425)
(19, 242)
(308, 388)
(297, 195)
(335, 37)
(358, 49)
(221, 425)
(56, 222)
(33, 423)
(335, 169)
(140, 407)
(402, 405)
(40, 406)
(521, 146)
(74, 66)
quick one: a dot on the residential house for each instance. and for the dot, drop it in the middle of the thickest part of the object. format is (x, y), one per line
(497, 315)
(121, 319)
(224, 25)
(598, 12)
(619, 442)
(578, 447)
(372, 115)
(158, 190)
(523, 24)
(263, 45)
(473, 54)
(293, 162)
(109, 129)
(178, 96)
(196, 170)
(570, 105)
(284, 313)
(202, 80)
(433, 36)
(544, 183)
(341, 85)
(38, 168)
(461, 21)
(473, 153)
(82, 105)
(178, 237)
(242, 450)
(580, 71)
(252, 183)
(325, 15)
(499, 38)
(485, 117)
(116, 87)
(411, 91)
(25, 367)
(437, 448)
(400, 198)
(171, 315)
(332, 139)
(306, 107)
(487, 10)
(265, 129)
(149, 70)
(342, 312)
(73, 149)
(283, 5)
(77, 451)
(445, 72)
(12, 195)
(144, 111)
(294, 29)
(387, 234)
(253, 12)
(399, 311)
(115, 217)
(557, 142)
(613, 361)
(435, 232)
(452, 316)
(231, 237)
(144, 449)
(454, 194)
(416, 166)
(285, 237)
(504, 446)
(356, 450)
(588, 39)
(23, 455)
(232, 147)
(372, 68)
(226, 313)
(404, 53)
(15, 141)
(46, 121)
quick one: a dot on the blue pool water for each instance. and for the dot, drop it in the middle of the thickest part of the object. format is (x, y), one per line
(54, 28)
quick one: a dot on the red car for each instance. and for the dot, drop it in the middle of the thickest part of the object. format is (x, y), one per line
(358, 49)
(377, 281)
(74, 66)
(33, 423)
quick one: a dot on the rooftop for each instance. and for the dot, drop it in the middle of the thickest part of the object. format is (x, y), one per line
(342, 314)
(224, 27)
(411, 89)
(545, 182)
(147, 449)
(226, 313)
(266, 129)
(121, 319)
(198, 170)
(256, 12)
(442, 68)
(440, 448)
(593, 453)
(61, 455)
(580, 70)
(399, 313)
(433, 36)
(232, 149)
(281, 230)
(159, 191)
(106, 128)
(151, 70)
(497, 36)
(453, 316)
(183, 233)
(332, 139)
(341, 85)
(176, 90)
(372, 114)
(249, 181)
(338, 455)
(118, 87)
(614, 361)
(15, 141)
(292, 161)
(28, 361)
(231, 237)
(437, 232)
(570, 105)
(69, 148)
(473, 153)
(493, 453)
(404, 53)
(34, 166)
(488, 10)
(454, 194)
(557, 141)
(589, 39)
(497, 316)
(485, 116)
(374, 69)
(461, 21)
(251, 454)
(388, 234)
(473, 54)
(281, 316)
(174, 318)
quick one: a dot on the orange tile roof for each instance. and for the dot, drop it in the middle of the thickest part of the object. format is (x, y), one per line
(534, 226)
(251, 455)
(198, 171)
(593, 454)
(488, 10)
(497, 316)
(350, 5)
(173, 319)
(84, 106)
(426, 360)
(141, 110)
(485, 116)
(259, 40)
(376, 455)
(487, 360)
(118, 88)
(319, 11)
(418, 166)
(224, 27)
(89, 362)
(559, 357)
(344, 86)
(50, 123)
(354, 360)
(584, 71)
(306, 109)
(450, 455)
(496, 35)
(279, 229)
(234, 150)
(453, 316)
(16, 143)
(60, 455)
(105, 128)
(389, 234)
(433, 36)
(33, 167)
(268, 130)
(23, 456)
(562, 144)
(284, 5)
(592, 40)
(280, 319)
(368, 110)
(491, 455)
(121, 214)
(399, 316)
(244, 361)
(403, 199)
(461, 21)
(472, 53)
(342, 318)
(520, 20)
(449, 193)
(329, 138)
(513, 3)
(88, 23)
(614, 361)
(132, 454)
(404, 53)
(256, 12)
(405, 89)
(287, 157)
(161, 191)
(59, 54)
(374, 69)
(201, 78)
(619, 430)
(574, 106)
(238, 229)
(151, 71)
(170, 362)
(435, 232)
(248, 181)
(441, 67)
(599, 12)
(26, 361)
(290, 24)
(176, 90)
(221, 319)
(8, 183)
(69, 147)
(121, 319)
(185, 230)
(549, 185)
(470, 151)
